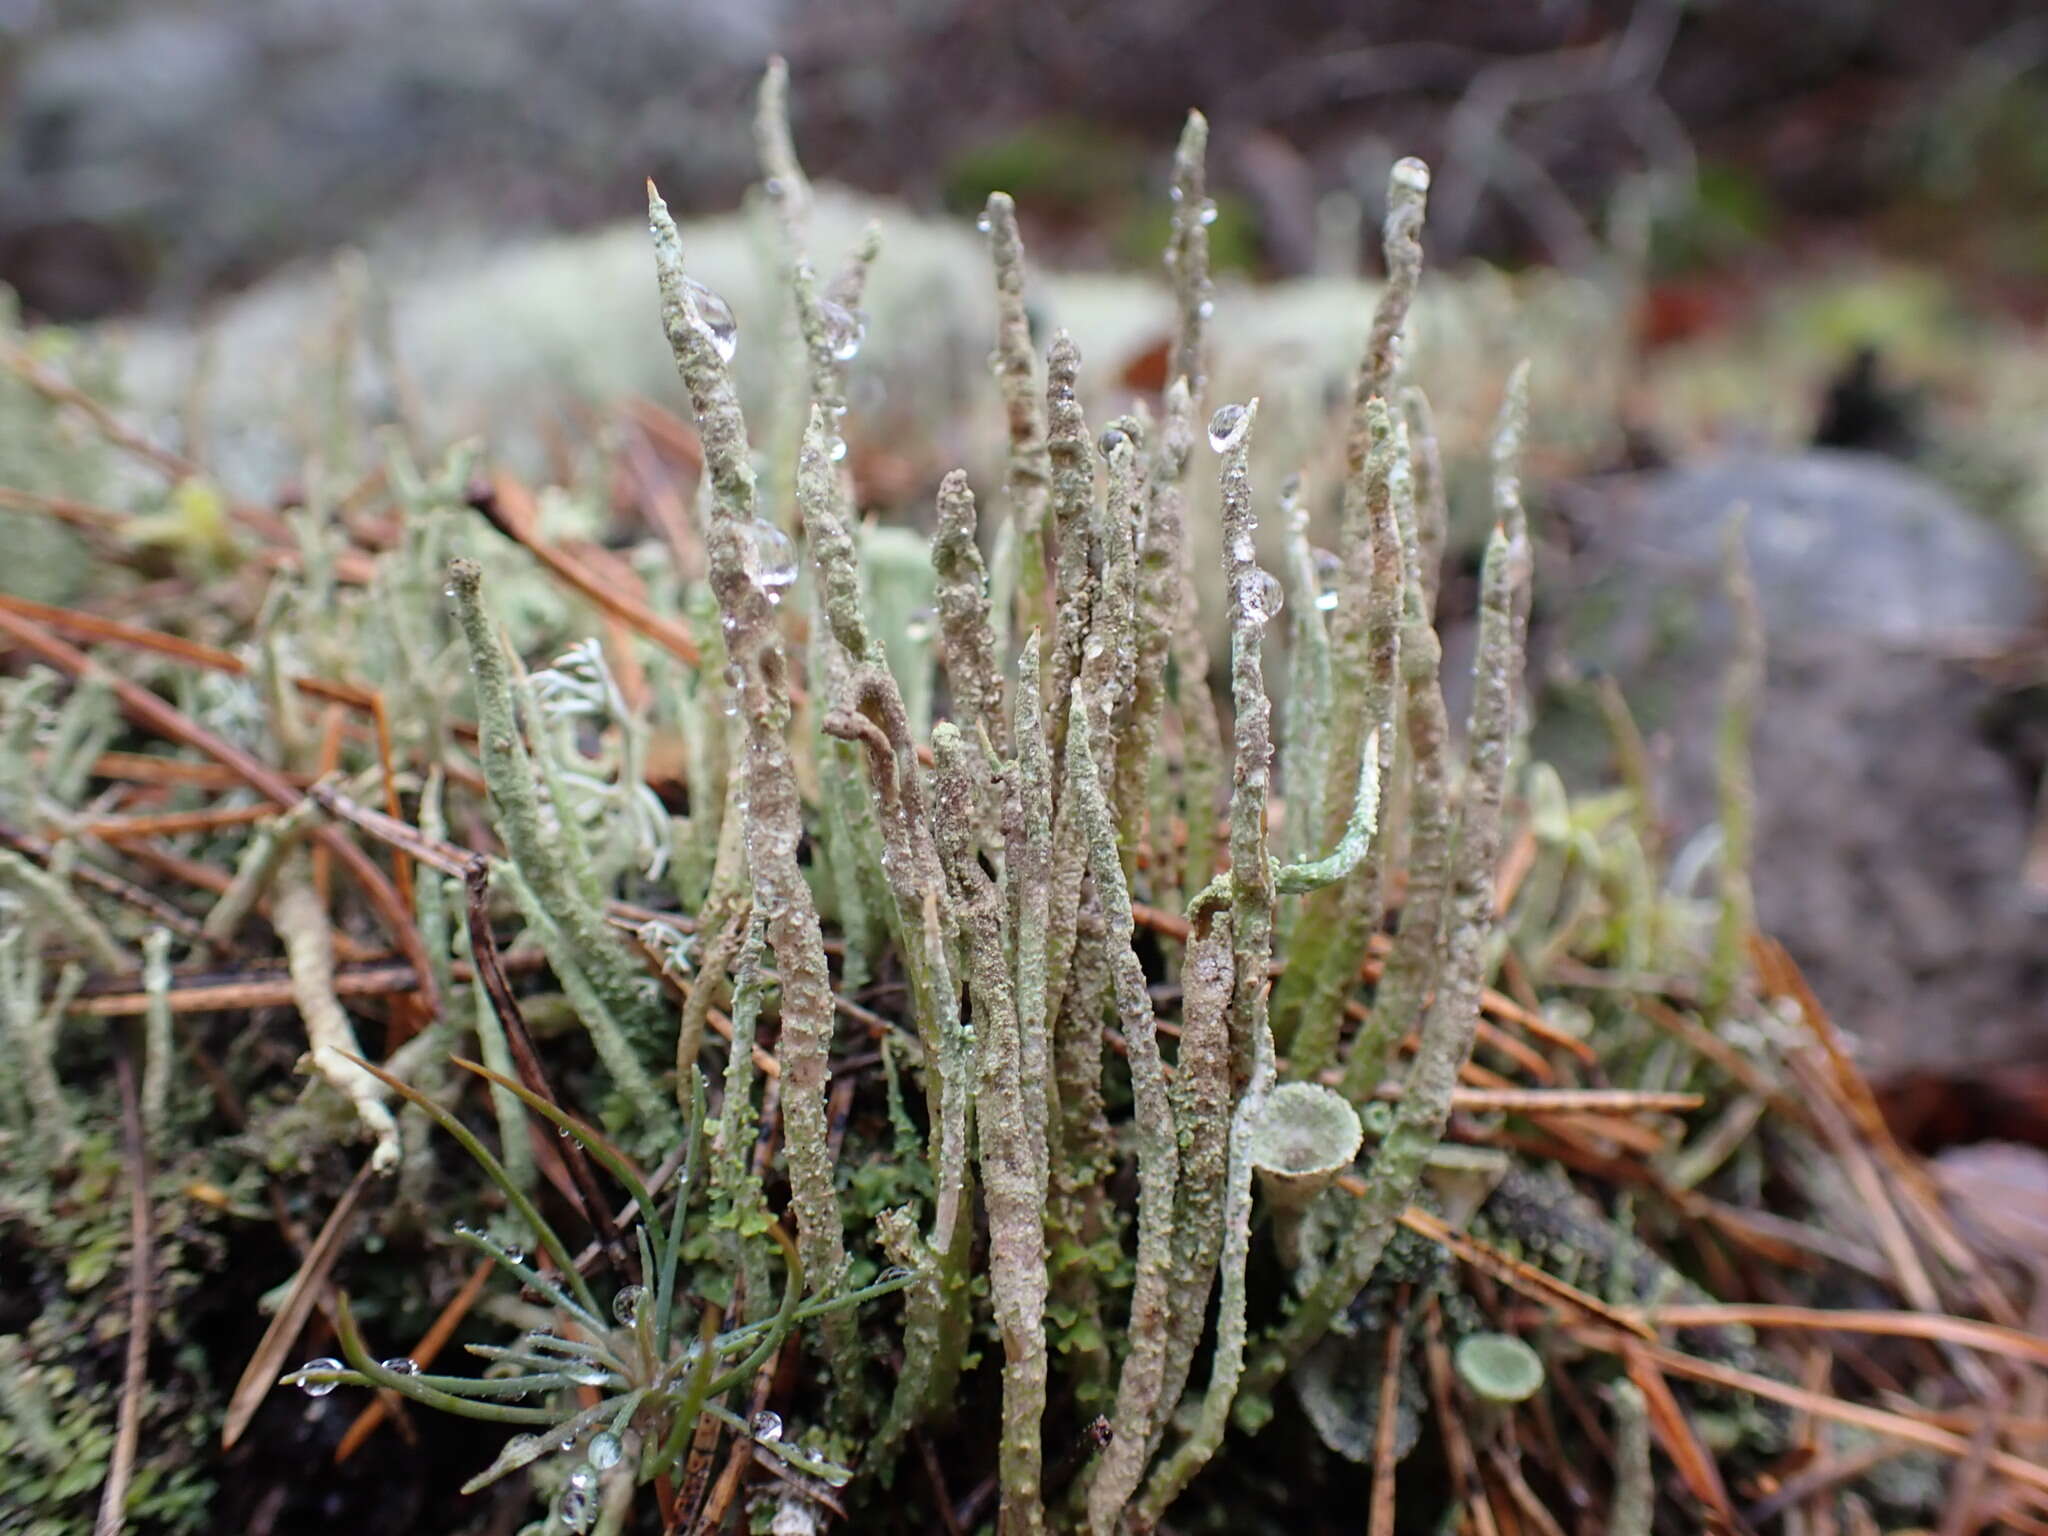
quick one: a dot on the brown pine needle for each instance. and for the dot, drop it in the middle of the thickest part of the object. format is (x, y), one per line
(1992, 1338)
(1513, 1273)
(509, 507)
(307, 1286)
(1696, 1465)
(1381, 1521)
(1878, 1421)
(152, 712)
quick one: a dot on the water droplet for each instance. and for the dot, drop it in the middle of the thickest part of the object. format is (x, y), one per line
(514, 1254)
(1411, 173)
(1110, 441)
(1206, 308)
(845, 330)
(1093, 647)
(582, 1479)
(402, 1365)
(626, 1305)
(464, 1229)
(1266, 596)
(1329, 577)
(575, 1511)
(836, 449)
(773, 186)
(320, 1388)
(587, 1375)
(1228, 426)
(917, 629)
(835, 1476)
(894, 1273)
(984, 224)
(1175, 192)
(605, 1450)
(718, 324)
(449, 590)
(732, 674)
(767, 1426)
(770, 554)
(1207, 213)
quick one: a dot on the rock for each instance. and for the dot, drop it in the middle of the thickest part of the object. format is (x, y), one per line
(1890, 832)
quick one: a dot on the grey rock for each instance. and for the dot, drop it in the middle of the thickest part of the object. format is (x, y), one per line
(1890, 832)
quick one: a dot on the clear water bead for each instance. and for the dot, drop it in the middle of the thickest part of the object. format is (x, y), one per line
(1208, 211)
(1228, 427)
(626, 1305)
(834, 1475)
(918, 627)
(605, 1450)
(402, 1365)
(767, 1426)
(984, 224)
(845, 330)
(319, 1388)
(771, 555)
(1329, 576)
(583, 1479)
(836, 449)
(1110, 441)
(1266, 597)
(514, 1254)
(718, 325)
(1410, 173)
(588, 1375)
(575, 1510)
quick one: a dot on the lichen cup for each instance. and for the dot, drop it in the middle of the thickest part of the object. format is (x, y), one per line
(1307, 1135)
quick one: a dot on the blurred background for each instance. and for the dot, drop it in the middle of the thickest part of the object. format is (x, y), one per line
(158, 154)
(1786, 255)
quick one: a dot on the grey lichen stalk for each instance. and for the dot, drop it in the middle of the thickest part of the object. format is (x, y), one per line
(1138, 1403)
(1062, 1171)
(773, 819)
(1365, 636)
(1452, 1016)
(1027, 482)
(972, 665)
(1009, 1117)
